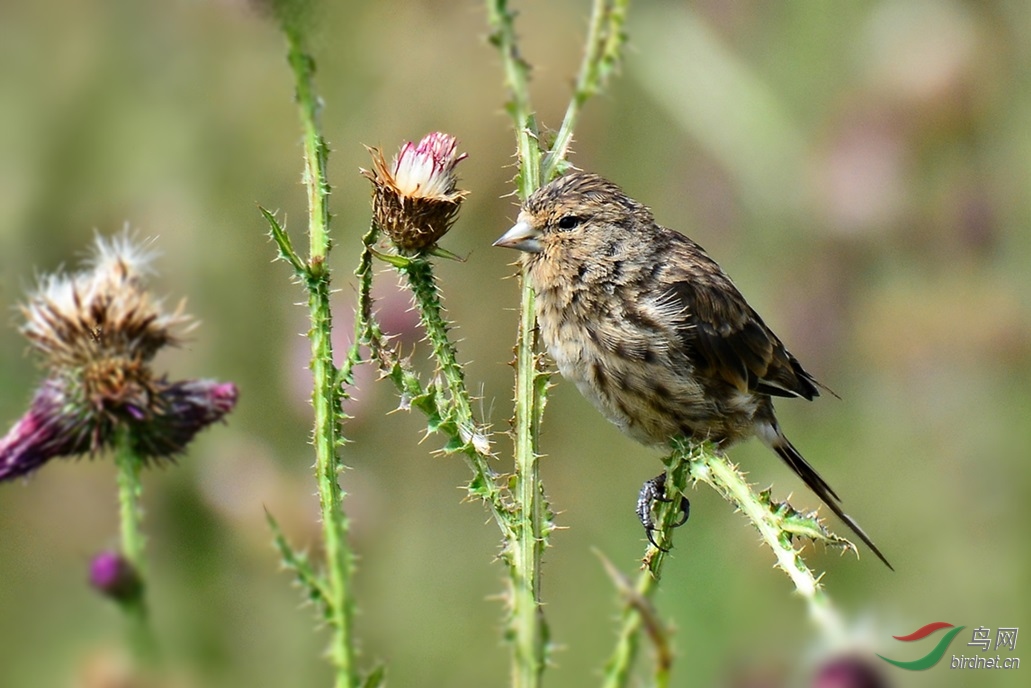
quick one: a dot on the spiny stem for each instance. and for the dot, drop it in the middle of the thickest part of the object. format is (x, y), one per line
(531, 644)
(366, 329)
(326, 392)
(529, 494)
(474, 442)
(602, 50)
(704, 462)
(315, 149)
(419, 274)
(713, 469)
(517, 80)
(463, 432)
(637, 611)
(528, 626)
(327, 437)
(452, 415)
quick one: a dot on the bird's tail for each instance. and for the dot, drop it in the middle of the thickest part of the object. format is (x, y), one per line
(780, 444)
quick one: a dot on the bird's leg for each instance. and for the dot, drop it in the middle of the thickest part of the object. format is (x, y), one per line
(652, 491)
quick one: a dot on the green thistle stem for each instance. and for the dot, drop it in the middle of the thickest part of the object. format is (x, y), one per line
(528, 615)
(326, 397)
(517, 80)
(130, 520)
(457, 419)
(715, 470)
(130, 512)
(776, 525)
(315, 150)
(528, 627)
(533, 521)
(637, 612)
(602, 54)
(326, 393)
(419, 273)
(366, 329)
(452, 417)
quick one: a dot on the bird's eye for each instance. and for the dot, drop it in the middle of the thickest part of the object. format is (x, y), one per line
(568, 222)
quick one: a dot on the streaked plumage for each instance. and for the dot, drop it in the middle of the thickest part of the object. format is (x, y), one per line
(651, 330)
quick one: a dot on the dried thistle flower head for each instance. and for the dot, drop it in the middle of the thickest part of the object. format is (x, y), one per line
(101, 313)
(97, 331)
(415, 198)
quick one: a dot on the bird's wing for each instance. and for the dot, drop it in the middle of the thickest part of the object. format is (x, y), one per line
(724, 337)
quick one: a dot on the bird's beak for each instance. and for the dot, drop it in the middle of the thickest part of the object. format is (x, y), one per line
(522, 237)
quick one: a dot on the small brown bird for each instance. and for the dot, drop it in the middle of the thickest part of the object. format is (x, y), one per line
(652, 331)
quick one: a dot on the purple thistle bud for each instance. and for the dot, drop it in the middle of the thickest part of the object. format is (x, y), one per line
(849, 672)
(416, 198)
(115, 577)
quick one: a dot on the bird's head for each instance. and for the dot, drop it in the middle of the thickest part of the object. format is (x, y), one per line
(580, 209)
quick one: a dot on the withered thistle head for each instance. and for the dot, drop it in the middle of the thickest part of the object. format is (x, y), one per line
(415, 199)
(96, 332)
(102, 313)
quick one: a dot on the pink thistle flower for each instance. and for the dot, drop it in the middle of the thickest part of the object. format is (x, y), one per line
(416, 198)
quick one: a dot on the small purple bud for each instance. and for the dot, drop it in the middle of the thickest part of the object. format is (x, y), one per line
(113, 576)
(849, 672)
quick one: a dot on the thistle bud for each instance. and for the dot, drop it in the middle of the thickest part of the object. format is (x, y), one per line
(96, 332)
(849, 672)
(415, 198)
(113, 576)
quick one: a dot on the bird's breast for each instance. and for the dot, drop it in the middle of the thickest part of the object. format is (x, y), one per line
(624, 364)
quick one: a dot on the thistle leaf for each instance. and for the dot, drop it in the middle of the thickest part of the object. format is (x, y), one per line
(311, 582)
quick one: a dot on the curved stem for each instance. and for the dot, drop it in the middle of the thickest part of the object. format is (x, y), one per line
(713, 469)
(457, 417)
(777, 524)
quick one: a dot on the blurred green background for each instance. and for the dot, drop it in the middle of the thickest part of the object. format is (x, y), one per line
(862, 169)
